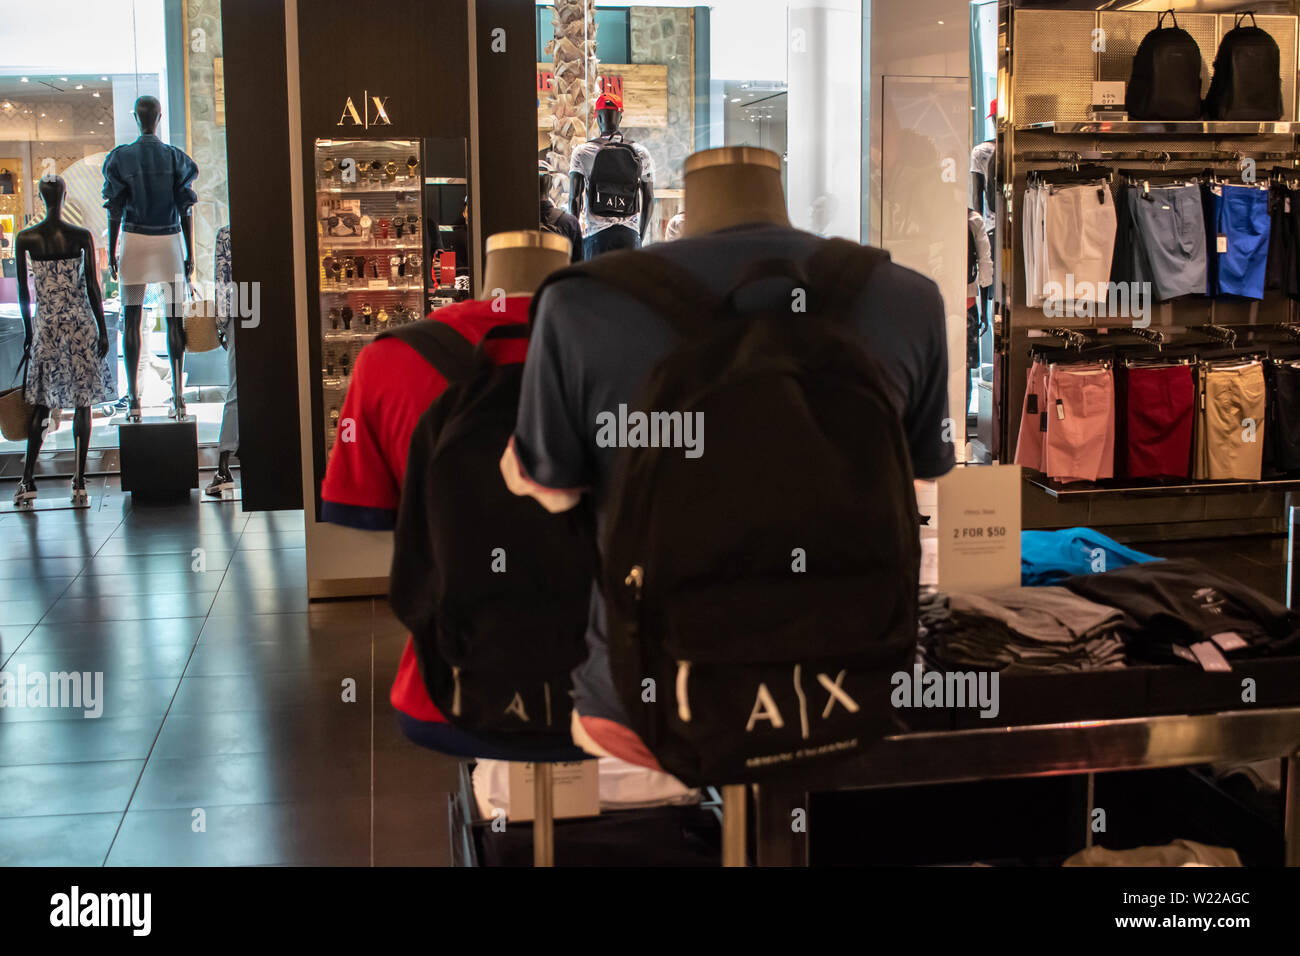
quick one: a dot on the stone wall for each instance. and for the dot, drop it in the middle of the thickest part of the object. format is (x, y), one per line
(667, 35)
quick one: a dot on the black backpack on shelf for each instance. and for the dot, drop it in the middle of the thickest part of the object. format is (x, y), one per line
(1247, 81)
(760, 596)
(494, 589)
(1166, 80)
(614, 186)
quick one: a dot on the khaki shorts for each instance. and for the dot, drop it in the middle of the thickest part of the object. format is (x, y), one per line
(1229, 442)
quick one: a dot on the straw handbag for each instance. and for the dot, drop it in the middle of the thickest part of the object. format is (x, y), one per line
(201, 325)
(15, 412)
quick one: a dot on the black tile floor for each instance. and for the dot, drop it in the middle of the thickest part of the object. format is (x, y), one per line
(223, 693)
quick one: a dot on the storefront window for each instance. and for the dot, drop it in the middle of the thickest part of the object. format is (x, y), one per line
(66, 100)
(699, 77)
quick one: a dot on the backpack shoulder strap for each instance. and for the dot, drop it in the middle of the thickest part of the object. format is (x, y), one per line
(669, 290)
(449, 352)
(840, 269)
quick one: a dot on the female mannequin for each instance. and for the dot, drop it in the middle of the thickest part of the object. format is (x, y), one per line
(65, 348)
(148, 195)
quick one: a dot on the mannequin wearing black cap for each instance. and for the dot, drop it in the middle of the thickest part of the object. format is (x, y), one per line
(605, 229)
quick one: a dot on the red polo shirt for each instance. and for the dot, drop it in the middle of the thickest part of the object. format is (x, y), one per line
(391, 387)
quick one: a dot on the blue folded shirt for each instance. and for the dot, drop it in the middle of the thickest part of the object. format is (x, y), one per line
(1049, 556)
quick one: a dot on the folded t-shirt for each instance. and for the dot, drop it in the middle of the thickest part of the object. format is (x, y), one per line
(1184, 602)
(1047, 557)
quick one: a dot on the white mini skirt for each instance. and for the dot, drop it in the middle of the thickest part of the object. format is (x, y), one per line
(146, 259)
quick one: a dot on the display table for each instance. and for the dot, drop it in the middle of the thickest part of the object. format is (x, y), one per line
(998, 753)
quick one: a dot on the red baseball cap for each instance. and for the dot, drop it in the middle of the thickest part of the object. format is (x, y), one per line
(609, 101)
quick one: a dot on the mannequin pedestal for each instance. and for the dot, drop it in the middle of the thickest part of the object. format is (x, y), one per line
(159, 458)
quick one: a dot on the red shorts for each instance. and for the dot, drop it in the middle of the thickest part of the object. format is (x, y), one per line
(1158, 411)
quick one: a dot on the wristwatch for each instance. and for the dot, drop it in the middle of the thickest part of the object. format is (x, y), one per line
(366, 313)
(412, 164)
(346, 315)
(334, 318)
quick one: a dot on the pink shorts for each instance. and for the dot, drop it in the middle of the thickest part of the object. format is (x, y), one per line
(1080, 409)
(1029, 446)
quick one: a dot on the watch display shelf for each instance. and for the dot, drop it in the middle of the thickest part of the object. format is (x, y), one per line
(371, 254)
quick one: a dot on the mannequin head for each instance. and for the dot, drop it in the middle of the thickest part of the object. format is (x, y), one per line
(147, 113)
(609, 113)
(518, 261)
(52, 190)
(733, 186)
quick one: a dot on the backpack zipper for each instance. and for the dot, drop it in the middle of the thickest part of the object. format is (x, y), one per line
(635, 578)
(455, 694)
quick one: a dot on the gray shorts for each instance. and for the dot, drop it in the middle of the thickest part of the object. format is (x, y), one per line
(1171, 229)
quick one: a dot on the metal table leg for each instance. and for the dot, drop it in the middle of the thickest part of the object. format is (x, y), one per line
(780, 825)
(543, 815)
(734, 829)
(1292, 809)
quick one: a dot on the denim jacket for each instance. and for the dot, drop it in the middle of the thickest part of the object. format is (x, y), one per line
(147, 186)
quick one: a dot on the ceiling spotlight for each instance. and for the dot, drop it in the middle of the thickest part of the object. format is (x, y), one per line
(64, 79)
(95, 94)
(80, 86)
(104, 79)
(23, 79)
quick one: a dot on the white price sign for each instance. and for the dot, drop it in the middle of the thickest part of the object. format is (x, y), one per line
(979, 528)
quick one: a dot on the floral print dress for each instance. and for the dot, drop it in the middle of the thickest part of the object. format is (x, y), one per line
(65, 370)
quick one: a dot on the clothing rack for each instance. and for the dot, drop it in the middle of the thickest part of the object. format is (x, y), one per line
(1164, 157)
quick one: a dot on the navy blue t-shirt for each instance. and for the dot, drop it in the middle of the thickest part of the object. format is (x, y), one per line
(593, 348)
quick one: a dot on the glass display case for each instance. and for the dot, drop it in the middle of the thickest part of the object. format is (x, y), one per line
(371, 249)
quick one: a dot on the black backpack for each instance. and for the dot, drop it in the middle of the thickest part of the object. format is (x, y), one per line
(1166, 79)
(1247, 81)
(614, 186)
(768, 588)
(494, 589)
(551, 221)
